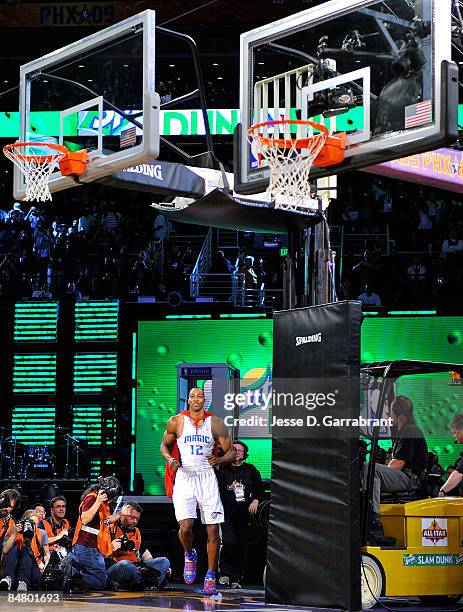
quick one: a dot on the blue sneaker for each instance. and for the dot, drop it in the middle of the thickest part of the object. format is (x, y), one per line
(209, 584)
(189, 571)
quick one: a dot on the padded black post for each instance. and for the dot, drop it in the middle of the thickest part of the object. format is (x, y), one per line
(314, 534)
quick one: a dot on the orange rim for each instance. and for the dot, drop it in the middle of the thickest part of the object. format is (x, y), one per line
(288, 143)
(9, 149)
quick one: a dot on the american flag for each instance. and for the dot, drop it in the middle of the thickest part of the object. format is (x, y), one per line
(418, 114)
(128, 137)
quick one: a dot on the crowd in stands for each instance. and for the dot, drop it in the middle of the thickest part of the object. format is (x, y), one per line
(83, 247)
(402, 244)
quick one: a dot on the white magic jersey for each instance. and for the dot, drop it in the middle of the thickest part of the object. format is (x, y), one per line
(196, 444)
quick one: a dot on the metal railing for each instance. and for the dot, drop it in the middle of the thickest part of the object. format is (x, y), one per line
(202, 265)
(357, 244)
(246, 296)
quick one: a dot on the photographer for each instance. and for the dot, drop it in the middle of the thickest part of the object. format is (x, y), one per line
(9, 499)
(57, 527)
(27, 554)
(41, 513)
(134, 565)
(92, 537)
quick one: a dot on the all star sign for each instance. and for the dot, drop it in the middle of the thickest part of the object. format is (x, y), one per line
(434, 532)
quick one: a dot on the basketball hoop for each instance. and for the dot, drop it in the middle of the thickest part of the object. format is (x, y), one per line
(36, 161)
(291, 159)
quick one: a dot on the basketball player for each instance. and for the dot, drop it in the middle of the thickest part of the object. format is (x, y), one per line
(189, 445)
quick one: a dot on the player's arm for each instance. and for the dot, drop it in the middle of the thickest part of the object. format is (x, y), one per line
(220, 433)
(168, 440)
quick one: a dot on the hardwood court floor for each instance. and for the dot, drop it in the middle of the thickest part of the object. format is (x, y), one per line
(184, 599)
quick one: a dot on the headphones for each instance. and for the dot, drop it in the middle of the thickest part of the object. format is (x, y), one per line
(245, 447)
(110, 485)
(402, 405)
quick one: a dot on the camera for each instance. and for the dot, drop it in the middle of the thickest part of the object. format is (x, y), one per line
(28, 528)
(110, 486)
(66, 541)
(127, 544)
(5, 502)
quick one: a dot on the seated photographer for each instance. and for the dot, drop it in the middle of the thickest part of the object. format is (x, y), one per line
(134, 565)
(92, 537)
(41, 513)
(57, 527)
(27, 554)
(9, 499)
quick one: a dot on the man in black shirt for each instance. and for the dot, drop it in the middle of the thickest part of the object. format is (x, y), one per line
(456, 476)
(241, 491)
(409, 455)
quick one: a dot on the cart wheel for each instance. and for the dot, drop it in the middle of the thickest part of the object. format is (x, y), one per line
(439, 600)
(371, 582)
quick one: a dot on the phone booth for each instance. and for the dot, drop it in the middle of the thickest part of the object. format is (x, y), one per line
(217, 380)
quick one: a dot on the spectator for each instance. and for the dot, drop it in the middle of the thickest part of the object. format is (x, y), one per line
(187, 261)
(72, 294)
(35, 220)
(110, 220)
(160, 228)
(222, 265)
(452, 244)
(86, 282)
(250, 275)
(153, 259)
(43, 247)
(366, 272)
(417, 277)
(369, 298)
(241, 491)
(43, 294)
(16, 215)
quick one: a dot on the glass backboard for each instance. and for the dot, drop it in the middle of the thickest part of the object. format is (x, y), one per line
(380, 71)
(100, 85)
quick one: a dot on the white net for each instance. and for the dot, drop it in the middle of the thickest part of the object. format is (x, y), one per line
(36, 161)
(290, 162)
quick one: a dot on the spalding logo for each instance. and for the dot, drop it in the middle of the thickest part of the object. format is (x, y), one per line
(308, 339)
(155, 171)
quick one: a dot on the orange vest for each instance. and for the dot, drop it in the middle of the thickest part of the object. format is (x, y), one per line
(103, 540)
(50, 532)
(36, 544)
(127, 555)
(7, 528)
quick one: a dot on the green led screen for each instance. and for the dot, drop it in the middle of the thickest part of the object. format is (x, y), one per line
(34, 373)
(94, 371)
(163, 344)
(35, 321)
(96, 321)
(428, 339)
(34, 424)
(245, 344)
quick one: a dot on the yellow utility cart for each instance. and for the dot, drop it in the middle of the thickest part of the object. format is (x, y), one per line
(425, 555)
